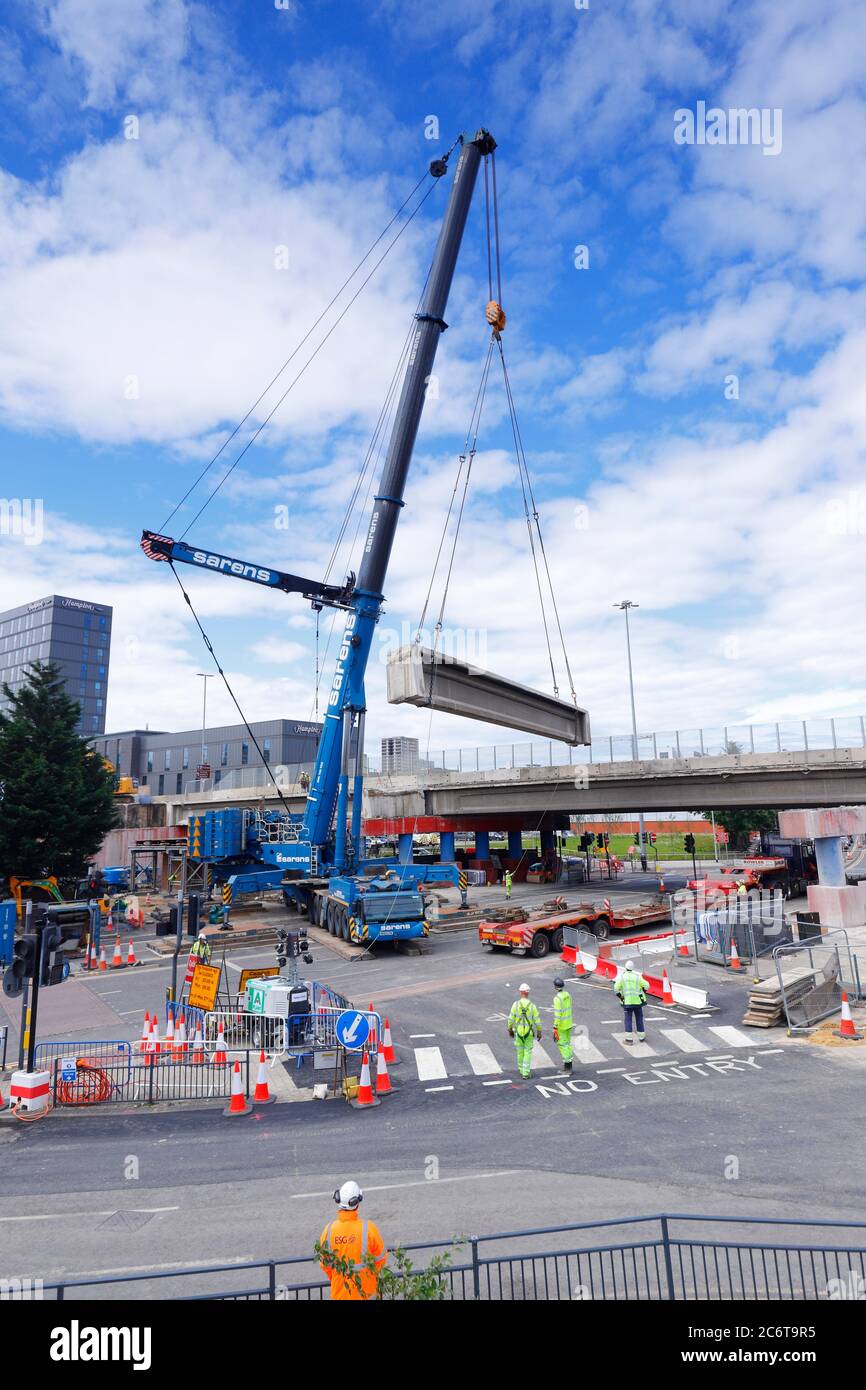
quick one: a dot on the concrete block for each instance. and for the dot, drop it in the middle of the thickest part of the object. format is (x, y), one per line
(838, 907)
(822, 823)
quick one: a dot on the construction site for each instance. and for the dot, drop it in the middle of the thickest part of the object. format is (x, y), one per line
(322, 949)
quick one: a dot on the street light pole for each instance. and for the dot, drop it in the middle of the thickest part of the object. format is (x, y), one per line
(625, 606)
(206, 676)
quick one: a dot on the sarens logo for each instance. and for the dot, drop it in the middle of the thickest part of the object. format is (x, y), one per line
(334, 694)
(229, 566)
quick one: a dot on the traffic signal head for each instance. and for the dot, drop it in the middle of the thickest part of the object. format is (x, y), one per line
(599, 840)
(636, 838)
(24, 956)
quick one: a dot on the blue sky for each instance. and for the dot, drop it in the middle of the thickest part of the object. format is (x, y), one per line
(152, 285)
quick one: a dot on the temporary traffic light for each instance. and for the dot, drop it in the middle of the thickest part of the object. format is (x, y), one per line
(689, 842)
(51, 971)
(652, 837)
(24, 957)
(599, 840)
(636, 838)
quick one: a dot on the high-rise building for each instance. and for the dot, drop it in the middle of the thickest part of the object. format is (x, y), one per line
(76, 636)
(400, 755)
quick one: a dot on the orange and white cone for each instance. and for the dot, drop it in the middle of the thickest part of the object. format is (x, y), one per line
(153, 1044)
(198, 1058)
(383, 1080)
(262, 1095)
(734, 962)
(365, 1095)
(102, 962)
(238, 1105)
(220, 1057)
(131, 957)
(169, 1034)
(388, 1046)
(667, 992)
(109, 926)
(373, 1038)
(683, 948)
(145, 1034)
(117, 958)
(661, 884)
(579, 967)
(180, 1044)
(846, 1027)
(89, 958)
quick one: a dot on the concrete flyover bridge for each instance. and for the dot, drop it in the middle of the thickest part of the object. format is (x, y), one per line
(821, 777)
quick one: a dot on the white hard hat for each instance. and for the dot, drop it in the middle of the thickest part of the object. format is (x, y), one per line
(629, 965)
(349, 1196)
(524, 989)
(202, 936)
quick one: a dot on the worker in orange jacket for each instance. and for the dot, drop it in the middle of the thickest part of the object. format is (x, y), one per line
(353, 1239)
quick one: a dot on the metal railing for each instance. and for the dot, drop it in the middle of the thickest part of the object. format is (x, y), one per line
(664, 1257)
(784, 736)
(145, 1080)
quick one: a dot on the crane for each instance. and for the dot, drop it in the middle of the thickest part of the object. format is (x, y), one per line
(317, 860)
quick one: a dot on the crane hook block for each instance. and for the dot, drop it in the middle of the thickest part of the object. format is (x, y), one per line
(495, 316)
(438, 167)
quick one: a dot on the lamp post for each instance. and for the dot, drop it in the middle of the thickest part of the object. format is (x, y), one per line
(625, 606)
(206, 676)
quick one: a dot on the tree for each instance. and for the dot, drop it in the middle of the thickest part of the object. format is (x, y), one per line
(405, 1283)
(738, 822)
(56, 794)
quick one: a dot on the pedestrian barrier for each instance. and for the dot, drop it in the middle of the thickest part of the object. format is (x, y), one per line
(113, 1052)
(675, 1257)
(652, 956)
(147, 1080)
(245, 1030)
(812, 977)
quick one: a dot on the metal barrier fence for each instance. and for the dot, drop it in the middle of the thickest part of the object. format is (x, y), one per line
(650, 957)
(812, 977)
(243, 1030)
(112, 1052)
(101, 1081)
(646, 1258)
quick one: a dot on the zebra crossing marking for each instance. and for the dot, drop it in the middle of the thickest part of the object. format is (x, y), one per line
(540, 1058)
(430, 1064)
(637, 1049)
(684, 1040)
(481, 1059)
(734, 1037)
(585, 1051)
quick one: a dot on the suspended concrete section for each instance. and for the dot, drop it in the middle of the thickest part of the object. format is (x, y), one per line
(417, 677)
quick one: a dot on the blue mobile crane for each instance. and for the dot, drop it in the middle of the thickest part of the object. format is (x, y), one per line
(317, 859)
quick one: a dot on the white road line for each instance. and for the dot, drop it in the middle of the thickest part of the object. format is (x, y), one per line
(684, 1040)
(104, 993)
(481, 1059)
(416, 1182)
(766, 1052)
(585, 1051)
(429, 1063)
(421, 1035)
(125, 1013)
(470, 1032)
(55, 1216)
(732, 1036)
(429, 1089)
(504, 1082)
(540, 1058)
(608, 1071)
(637, 1049)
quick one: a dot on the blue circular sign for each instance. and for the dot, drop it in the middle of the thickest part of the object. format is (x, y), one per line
(352, 1029)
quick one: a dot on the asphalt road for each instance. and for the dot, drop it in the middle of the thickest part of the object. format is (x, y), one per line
(731, 1121)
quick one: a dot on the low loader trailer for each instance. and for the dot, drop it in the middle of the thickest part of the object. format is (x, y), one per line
(540, 932)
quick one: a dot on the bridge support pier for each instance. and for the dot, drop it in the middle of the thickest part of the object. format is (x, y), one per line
(515, 844)
(482, 844)
(837, 903)
(404, 849)
(446, 846)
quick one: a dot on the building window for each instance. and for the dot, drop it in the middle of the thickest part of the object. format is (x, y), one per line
(102, 670)
(179, 786)
(97, 686)
(86, 620)
(245, 754)
(217, 778)
(204, 753)
(167, 762)
(102, 622)
(266, 749)
(150, 762)
(185, 758)
(224, 755)
(161, 784)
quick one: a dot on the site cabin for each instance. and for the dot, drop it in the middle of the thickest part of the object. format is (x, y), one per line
(537, 933)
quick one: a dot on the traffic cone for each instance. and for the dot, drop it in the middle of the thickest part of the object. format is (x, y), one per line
(383, 1080)
(88, 956)
(667, 992)
(109, 926)
(145, 1034)
(238, 1105)
(735, 963)
(373, 1038)
(102, 964)
(262, 1095)
(365, 1095)
(220, 1057)
(117, 958)
(180, 1038)
(169, 1035)
(198, 1058)
(683, 948)
(153, 1044)
(388, 1046)
(661, 883)
(131, 957)
(579, 967)
(846, 1027)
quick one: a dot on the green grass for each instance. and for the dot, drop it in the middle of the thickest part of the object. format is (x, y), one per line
(668, 846)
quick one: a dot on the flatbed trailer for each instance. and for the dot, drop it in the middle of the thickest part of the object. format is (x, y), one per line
(537, 933)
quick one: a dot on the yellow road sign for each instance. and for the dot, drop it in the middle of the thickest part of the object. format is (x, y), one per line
(203, 990)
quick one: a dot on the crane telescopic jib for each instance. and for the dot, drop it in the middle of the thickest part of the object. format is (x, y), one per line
(321, 847)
